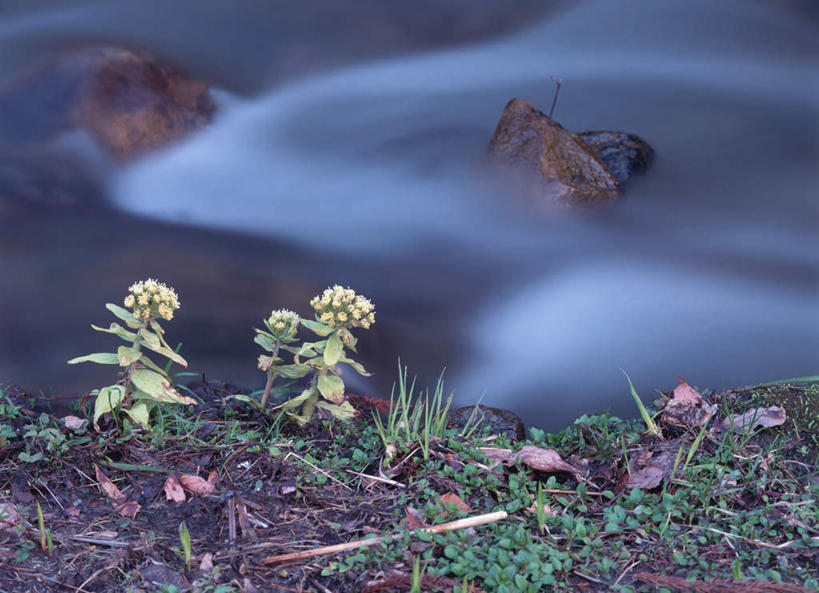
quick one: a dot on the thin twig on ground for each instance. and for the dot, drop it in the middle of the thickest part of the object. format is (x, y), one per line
(323, 551)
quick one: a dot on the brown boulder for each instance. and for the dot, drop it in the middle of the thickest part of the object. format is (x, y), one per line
(129, 101)
(555, 160)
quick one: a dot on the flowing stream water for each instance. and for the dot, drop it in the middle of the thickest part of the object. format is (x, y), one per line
(366, 167)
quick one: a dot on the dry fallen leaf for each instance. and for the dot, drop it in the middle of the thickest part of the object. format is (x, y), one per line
(413, 519)
(766, 417)
(9, 516)
(687, 408)
(546, 509)
(684, 394)
(537, 458)
(451, 498)
(207, 562)
(73, 512)
(646, 479)
(123, 506)
(197, 484)
(74, 423)
(173, 489)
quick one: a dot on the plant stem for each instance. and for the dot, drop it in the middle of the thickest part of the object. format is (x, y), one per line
(271, 376)
(310, 405)
(138, 347)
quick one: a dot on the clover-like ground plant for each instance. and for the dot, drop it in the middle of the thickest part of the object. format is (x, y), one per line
(143, 385)
(337, 311)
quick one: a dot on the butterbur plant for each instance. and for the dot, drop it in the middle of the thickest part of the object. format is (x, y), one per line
(337, 311)
(143, 385)
(282, 326)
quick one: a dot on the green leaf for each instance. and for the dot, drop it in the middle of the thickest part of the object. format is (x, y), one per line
(151, 365)
(333, 350)
(293, 371)
(343, 411)
(310, 349)
(331, 387)
(150, 339)
(157, 387)
(321, 329)
(359, 368)
(98, 357)
(349, 340)
(264, 340)
(127, 356)
(124, 314)
(298, 400)
(156, 327)
(117, 330)
(108, 399)
(152, 342)
(139, 413)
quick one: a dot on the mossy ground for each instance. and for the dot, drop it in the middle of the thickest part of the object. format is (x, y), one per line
(739, 514)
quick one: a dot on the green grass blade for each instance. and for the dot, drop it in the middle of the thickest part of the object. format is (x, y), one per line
(652, 428)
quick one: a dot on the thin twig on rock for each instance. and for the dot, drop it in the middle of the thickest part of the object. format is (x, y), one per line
(558, 82)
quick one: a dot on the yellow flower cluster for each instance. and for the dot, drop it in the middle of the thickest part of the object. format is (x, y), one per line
(151, 298)
(339, 306)
(283, 324)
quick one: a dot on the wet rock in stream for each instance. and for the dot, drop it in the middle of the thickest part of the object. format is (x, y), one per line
(564, 167)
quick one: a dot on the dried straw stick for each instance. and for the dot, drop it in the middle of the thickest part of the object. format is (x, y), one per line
(450, 526)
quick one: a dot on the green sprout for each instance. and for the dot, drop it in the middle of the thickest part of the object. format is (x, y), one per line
(144, 385)
(337, 311)
(185, 540)
(647, 419)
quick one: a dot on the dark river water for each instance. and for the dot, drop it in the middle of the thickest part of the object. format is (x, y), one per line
(348, 148)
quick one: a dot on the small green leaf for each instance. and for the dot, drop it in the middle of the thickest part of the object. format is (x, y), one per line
(152, 342)
(297, 401)
(151, 365)
(117, 330)
(359, 368)
(108, 399)
(157, 387)
(331, 387)
(349, 340)
(343, 411)
(124, 314)
(309, 349)
(98, 357)
(318, 328)
(156, 327)
(127, 356)
(139, 413)
(293, 371)
(151, 339)
(333, 350)
(264, 340)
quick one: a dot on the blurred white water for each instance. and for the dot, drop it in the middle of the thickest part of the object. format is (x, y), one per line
(707, 269)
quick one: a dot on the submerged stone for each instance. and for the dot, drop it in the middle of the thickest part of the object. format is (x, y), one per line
(130, 102)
